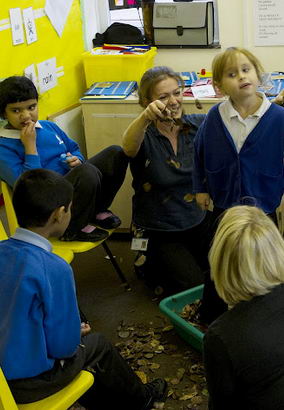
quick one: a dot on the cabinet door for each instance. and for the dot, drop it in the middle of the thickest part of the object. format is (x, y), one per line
(104, 125)
(204, 106)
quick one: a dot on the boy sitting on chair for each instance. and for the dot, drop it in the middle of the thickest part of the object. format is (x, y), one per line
(27, 143)
(42, 344)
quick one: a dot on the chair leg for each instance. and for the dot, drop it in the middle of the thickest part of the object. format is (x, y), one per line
(116, 267)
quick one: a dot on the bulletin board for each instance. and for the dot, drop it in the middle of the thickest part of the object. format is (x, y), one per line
(67, 49)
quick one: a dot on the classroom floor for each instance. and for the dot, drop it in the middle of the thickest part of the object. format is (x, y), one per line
(124, 315)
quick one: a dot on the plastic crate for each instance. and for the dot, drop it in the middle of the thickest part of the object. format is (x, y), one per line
(118, 67)
(173, 305)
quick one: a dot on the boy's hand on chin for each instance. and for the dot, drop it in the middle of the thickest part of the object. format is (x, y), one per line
(28, 137)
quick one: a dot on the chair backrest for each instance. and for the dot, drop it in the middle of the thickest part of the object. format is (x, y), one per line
(7, 401)
(10, 212)
(3, 234)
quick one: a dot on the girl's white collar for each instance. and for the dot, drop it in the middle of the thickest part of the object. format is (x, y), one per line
(15, 134)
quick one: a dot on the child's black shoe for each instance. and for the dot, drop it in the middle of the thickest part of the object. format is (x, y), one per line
(158, 390)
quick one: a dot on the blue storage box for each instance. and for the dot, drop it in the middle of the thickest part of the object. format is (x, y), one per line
(173, 305)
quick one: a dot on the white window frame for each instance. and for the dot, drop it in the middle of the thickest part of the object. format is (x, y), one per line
(96, 19)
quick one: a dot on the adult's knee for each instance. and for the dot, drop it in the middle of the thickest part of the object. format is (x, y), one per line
(118, 155)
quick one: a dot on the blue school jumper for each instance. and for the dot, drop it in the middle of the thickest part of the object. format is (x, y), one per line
(256, 171)
(39, 320)
(51, 142)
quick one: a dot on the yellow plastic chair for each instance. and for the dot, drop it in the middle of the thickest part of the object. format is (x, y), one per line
(59, 247)
(65, 253)
(3, 234)
(61, 400)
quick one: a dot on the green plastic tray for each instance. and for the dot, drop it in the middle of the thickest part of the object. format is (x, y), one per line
(173, 305)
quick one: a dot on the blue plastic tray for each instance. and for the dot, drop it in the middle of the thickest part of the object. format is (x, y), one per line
(173, 305)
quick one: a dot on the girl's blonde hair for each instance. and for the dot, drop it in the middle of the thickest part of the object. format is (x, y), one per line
(221, 59)
(247, 255)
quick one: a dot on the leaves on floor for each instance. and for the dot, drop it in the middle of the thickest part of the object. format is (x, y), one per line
(148, 350)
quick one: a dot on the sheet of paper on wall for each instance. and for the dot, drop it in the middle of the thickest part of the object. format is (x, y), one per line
(269, 22)
(57, 11)
(16, 22)
(47, 77)
(30, 72)
(203, 91)
(30, 27)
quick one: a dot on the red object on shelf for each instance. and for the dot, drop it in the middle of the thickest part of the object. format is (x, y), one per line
(203, 71)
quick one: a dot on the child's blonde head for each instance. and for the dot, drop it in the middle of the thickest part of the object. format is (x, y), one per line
(230, 56)
(247, 255)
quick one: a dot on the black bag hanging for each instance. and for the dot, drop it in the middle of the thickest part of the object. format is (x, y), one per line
(119, 33)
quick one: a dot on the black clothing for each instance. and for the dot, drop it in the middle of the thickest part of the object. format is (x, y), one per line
(177, 260)
(165, 207)
(95, 182)
(244, 355)
(112, 374)
(162, 180)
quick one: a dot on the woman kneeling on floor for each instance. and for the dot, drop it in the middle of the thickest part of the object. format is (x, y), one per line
(159, 143)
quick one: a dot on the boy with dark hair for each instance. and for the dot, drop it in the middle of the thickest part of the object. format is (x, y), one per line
(27, 143)
(41, 345)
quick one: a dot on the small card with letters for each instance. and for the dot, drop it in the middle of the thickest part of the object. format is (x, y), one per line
(139, 244)
(203, 91)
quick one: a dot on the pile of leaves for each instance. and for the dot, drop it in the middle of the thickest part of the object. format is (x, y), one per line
(190, 313)
(147, 348)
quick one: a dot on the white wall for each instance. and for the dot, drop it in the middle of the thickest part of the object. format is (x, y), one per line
(70, 121)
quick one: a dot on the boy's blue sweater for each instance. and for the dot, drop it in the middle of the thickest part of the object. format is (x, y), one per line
(255, 172)
(39, 317)
(51, 142)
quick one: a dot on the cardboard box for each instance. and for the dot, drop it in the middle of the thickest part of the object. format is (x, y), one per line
(184, 23)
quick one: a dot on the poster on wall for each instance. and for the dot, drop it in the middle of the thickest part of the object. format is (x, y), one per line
(47, 77)
(30, 27)
(30, 72)
(17, 26)
(269, 22)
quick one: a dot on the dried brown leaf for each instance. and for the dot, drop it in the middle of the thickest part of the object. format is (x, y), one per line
(155, 366)
(196, 400)
(188, 396)
(167, 328)
(124, 334)
(142, 376)
(180, 373)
